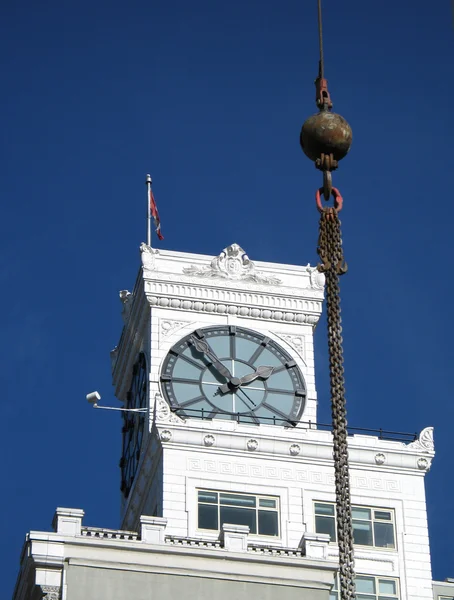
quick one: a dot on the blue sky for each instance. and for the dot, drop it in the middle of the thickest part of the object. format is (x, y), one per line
(210, 97)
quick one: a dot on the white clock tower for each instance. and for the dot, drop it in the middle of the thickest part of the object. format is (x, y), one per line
(189, 316)
(227, 482)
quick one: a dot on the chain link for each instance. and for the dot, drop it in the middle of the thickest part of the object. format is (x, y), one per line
(333, 265)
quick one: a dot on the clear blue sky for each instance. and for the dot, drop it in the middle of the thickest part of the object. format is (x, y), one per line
(209, 97)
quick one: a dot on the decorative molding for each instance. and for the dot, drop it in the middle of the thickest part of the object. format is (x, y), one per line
(295, 449)
(209, 440)
(423, 464)
(425, 442)
(148, 256)
(380, 458)
(234, 309)
(317, 279)
(252, 445)
(168, 326)
(166, 435)
(296, 342)
(50, 592)
(164, 414)
(232, 263)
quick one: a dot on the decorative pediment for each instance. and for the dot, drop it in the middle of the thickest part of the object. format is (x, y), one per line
(232, 263)
(425, 442)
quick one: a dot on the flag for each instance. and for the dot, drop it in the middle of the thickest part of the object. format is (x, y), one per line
(154, 213)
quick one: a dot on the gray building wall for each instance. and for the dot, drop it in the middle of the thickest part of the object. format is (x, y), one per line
(87, 583)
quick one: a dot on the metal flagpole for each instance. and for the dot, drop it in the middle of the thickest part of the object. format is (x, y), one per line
(148, 181)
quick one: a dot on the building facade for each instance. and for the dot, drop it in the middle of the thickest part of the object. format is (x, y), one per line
(227, 482)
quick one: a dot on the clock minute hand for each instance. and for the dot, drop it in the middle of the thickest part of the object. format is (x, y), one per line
(204, 348)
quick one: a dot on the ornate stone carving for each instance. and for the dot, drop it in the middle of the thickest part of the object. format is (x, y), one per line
(126, 299)
(425, 442)
(234, 309)
(163, 412)
(380, 458)
(167, 326)
(317, 279)
(209, 440)
(166, 435)
(252, 445)
(232, 263)
(50, 592)
(295, 449)
(148, 256)
(295, 341)
(423, 464)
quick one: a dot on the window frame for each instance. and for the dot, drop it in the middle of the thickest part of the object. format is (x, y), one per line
(256, 509)
(372, 520)
(376, 578)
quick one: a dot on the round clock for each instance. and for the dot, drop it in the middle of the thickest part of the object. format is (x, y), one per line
(233, 373)
(133, 425)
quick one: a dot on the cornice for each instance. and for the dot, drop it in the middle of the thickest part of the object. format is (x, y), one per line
(300, 446)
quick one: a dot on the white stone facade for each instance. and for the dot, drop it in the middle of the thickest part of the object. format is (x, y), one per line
(175, 294)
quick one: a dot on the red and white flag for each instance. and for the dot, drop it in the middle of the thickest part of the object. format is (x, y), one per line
(154, 213)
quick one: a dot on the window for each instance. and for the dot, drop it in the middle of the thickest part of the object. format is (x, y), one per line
(369, 587)
(371, 526)
(260, 513)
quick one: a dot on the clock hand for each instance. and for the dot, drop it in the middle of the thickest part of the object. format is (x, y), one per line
(259, 373)
(204, 348)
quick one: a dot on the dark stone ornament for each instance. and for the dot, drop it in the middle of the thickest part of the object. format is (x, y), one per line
(326, 133)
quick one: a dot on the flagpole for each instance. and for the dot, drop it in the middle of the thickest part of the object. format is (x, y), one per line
(148, 181)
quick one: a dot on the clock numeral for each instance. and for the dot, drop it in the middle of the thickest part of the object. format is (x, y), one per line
(166, 378)
(290, 364)
(300, 392)
(199, 333)
(232, 329)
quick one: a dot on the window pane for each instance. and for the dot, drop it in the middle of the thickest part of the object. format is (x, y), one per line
(333, 596)
(208, 516)
(387, 597)
(326, 525)
(365, 585)
(267, 503)
(239, 516)
(387, 586)
(384, 535)
(360, 513)
(208, 497)
(365, 597)
(236, 500)
(268, 524)
(220, 345)
(384, 515)
(324, 509)
(362, 533)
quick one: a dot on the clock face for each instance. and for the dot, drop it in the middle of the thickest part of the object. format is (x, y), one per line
(233, 373)
(133, 425)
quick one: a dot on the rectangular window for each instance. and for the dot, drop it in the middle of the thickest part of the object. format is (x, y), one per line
(259, 513)
(371, 526)
(369, 587)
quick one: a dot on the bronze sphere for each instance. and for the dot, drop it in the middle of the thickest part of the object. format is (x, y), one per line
(326, 133)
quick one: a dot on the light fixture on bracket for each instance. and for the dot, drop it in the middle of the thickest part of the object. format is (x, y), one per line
(94, 397)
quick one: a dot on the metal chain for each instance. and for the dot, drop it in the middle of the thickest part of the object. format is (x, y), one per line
(333, 265)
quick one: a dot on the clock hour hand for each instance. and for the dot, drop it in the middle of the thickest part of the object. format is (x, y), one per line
(204, 348)
(259, 373)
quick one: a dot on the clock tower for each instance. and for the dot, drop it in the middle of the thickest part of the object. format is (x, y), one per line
(221, 352)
